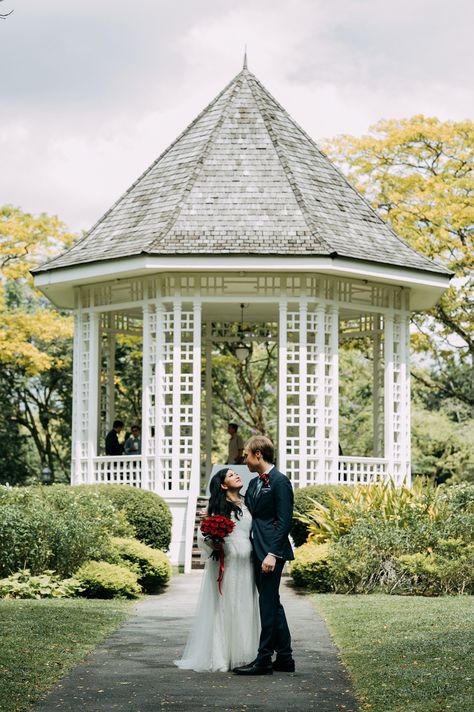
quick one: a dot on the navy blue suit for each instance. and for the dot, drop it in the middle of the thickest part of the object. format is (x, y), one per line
(272, 510)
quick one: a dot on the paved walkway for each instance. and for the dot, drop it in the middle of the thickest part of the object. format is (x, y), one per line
(133, 669)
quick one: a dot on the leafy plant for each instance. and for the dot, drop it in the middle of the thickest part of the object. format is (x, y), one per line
(23, 584)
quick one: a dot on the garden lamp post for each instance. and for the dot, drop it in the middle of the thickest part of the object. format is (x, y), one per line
(46, 476)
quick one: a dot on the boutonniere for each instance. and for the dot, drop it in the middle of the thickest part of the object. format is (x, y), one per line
(265, 479)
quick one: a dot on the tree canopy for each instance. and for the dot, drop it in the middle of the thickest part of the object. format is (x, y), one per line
(418, 174)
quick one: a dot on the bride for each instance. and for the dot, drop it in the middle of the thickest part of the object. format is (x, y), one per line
(220, 639)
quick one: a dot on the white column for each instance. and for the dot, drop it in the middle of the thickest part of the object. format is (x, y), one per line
(388, 392)
(77, 395)
(320, 388)
(303, 395)
(334, 394)
(146, 370)
(282, 374)
(194, 485)
(405, 412)
(208, 385)
(159, 414)
(110, 385)
(93, 403)
(176, 394)
(377, 390)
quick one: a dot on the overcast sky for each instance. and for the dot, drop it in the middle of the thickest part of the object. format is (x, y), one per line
(92, 91)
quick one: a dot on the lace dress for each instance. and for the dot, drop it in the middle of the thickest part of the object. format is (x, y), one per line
(226, 628)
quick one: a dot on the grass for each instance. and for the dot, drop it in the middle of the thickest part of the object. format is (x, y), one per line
(405, 654)
(42, 640)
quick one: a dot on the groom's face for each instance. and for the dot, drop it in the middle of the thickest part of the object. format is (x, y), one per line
(253, 460)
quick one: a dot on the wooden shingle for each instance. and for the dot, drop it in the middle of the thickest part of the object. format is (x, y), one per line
(244, 179)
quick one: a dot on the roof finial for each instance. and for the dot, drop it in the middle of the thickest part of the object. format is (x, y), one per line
(245, 58)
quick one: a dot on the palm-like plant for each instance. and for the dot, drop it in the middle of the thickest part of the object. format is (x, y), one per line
(382, 499)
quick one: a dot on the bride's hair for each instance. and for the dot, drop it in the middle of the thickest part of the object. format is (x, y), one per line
(218, 502)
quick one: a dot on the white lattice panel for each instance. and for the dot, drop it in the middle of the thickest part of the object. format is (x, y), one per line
(117, 470)
(313, 394)
(293, 383)
(85, 385)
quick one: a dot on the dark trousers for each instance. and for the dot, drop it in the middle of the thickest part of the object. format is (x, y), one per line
(275, 635)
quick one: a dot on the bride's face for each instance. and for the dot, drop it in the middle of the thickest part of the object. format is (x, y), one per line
(232, 481)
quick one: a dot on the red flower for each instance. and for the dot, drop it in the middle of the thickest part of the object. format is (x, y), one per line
(216, 527)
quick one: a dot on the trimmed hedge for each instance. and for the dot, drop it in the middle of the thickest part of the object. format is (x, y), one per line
(303, 505)
(99, 579)
(55, 528)
(146, 511)
(311, 567)
(152, 566)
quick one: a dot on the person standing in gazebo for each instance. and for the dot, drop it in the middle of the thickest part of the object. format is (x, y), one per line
(236, 446)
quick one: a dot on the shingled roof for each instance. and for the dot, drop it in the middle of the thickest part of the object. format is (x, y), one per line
(243, 179)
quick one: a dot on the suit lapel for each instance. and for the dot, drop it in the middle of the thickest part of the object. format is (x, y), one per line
(259, 486)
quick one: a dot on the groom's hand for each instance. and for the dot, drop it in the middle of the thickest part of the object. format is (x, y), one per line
(268, 564)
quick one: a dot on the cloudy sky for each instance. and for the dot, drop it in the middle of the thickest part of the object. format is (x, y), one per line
(92, 91)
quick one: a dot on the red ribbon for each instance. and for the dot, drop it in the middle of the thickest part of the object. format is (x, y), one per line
(221, 568)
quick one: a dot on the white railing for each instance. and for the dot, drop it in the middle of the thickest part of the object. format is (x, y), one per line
(125, 470)
(362, 470)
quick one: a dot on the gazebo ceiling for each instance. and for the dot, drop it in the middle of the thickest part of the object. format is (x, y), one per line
(243, 179)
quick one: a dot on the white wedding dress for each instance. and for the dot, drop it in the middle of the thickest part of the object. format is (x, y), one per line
(226, 628)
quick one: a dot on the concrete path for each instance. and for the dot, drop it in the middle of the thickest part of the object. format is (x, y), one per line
(133, 669)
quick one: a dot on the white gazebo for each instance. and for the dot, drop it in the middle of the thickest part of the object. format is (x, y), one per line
(242, 207)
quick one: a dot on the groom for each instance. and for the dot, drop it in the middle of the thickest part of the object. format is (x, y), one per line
(269, 498)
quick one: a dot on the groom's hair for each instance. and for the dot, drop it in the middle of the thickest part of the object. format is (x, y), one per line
(265, 445)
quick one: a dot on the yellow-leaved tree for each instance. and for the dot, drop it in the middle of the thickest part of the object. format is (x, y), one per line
(418, 174)
(35, 348)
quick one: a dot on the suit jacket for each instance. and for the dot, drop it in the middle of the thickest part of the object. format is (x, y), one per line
(272, 511)
(112, 445)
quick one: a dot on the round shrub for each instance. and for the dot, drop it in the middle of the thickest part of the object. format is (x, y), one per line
(312, 568)
(99, 579)
(146, 511)
(303, 504)
(55, 528)
(151, 565)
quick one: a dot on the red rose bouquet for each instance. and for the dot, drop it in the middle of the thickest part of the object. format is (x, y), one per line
(215, 528)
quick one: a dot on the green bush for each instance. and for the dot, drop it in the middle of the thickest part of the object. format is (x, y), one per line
(433, 574)
(151, 565)
(304, 503)
(311, 567)
(24, 584)
(146, 511)
(417, 541)
(55, 528)
(99, 579)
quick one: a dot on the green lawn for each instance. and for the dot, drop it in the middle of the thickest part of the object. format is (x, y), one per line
(41, 640)
(405, 654)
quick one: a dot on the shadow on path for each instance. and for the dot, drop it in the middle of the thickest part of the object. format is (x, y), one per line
(133, 669)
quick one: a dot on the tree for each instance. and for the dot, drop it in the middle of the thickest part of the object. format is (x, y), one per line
(35, 349)
(243, 391)
(417, 173)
